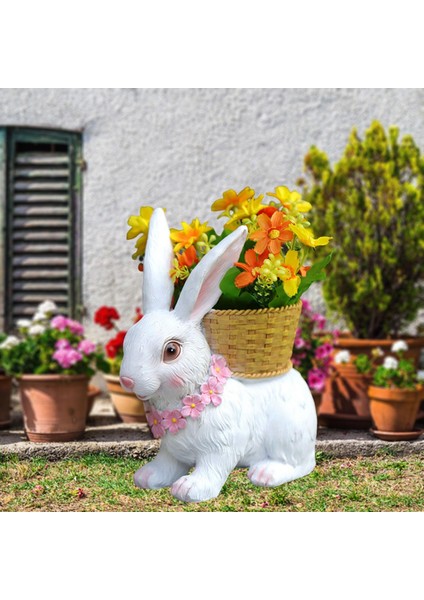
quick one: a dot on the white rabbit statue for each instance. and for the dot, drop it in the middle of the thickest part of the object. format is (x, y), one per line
(206, 418)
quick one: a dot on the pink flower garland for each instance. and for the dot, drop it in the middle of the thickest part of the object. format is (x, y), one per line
(210, 393)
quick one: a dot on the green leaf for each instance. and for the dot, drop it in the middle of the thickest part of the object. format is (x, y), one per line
(243, 302)
(246, 300)
(281, 299)
(102, 364)
(227, 285)
(315, 273)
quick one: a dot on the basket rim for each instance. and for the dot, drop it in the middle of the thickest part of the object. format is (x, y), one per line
(236, 311)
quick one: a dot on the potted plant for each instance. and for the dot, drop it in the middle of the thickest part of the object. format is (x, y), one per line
(127, 406)
(347, 386)
(313, 349)
(373, 197)
(395, 393)
(254, 322)
(6, 343)
(52, 362)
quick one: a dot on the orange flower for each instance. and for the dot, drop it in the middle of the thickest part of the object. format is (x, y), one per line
(188, 257)
(272, 234)
(230, 199)
(304, 270)
(182, 263)
(251, 269)
(189, 234)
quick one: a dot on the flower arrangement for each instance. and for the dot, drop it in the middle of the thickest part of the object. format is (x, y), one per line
(395, 372)
(48, 344)
(272, 270)
(106, 317)
(312, 353)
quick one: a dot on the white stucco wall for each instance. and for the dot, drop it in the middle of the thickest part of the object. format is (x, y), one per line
(181, 148)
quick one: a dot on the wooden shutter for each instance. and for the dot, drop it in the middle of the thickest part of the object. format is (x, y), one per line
(43, 222)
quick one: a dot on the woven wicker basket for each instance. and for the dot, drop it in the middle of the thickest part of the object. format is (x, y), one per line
(255, 343)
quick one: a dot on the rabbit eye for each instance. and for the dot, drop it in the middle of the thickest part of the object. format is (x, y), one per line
(171, 351)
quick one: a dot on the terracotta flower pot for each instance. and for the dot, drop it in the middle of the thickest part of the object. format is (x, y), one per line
(352, 390)
(5, 395)
(129, 408)
(394, 410)
(345, 401)
(317, 396)
(54, 406)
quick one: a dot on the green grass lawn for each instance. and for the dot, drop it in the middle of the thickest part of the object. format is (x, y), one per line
(99, 482)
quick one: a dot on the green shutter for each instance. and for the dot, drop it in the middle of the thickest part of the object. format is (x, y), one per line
(43, 208)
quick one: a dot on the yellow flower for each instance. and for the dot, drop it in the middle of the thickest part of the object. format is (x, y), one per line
(230, 200)
(179, 272)
(290, 278)
(139, 224)
(306, 236)
(271, 269)
(140, 246)
(292, 201)
(246, 214)
(286, 269)
(189, 234)
(140, 227)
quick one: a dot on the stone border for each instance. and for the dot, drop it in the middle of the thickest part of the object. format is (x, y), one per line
(104, 434)
(134, 441)
(351, 444)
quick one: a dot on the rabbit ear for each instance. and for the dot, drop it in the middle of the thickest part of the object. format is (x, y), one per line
(157, 283)
(201, 290)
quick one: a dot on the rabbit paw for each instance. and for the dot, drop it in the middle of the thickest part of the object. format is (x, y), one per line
(153, 478)
(270, 473)
(145, 477)
(194, 489)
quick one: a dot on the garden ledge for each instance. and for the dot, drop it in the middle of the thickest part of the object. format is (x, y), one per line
(105, 434)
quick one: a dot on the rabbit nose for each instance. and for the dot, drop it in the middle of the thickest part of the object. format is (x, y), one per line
(127, 382)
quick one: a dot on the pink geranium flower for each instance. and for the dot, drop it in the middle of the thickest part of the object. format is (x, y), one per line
(193, 406)
(323, 351)
(211, 391)
(320, 320)
(173, 421)
(86, 347)
(154, 419)
(59, 322)
(62, 344)
(316, 380)
(219, 368)
(67, 357)
(306, 305)
(75, 327)
(299, 343)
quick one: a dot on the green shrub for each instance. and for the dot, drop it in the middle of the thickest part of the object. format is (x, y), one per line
(372, 203)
